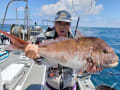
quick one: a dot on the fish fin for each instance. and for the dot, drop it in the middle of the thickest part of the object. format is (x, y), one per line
(51, 41)
(13, 48)
(78, 34)
(15, 40)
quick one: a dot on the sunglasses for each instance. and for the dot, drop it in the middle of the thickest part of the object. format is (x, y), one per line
(60, 23)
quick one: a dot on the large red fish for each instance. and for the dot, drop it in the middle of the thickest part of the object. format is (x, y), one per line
(74, 53)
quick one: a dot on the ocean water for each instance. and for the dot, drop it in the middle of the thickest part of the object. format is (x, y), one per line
(112, 37)
(6, 27)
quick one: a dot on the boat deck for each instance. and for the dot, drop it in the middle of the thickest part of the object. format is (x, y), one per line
(36, 78)
(12, 58)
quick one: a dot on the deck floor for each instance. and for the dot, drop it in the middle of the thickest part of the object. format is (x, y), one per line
(35, 79)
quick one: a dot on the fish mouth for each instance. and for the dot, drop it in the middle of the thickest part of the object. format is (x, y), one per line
(111, 65)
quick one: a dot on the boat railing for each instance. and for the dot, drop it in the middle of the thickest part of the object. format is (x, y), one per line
(26, 20)
(7, 9)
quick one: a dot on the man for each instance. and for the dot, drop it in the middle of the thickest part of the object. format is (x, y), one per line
(58, 77)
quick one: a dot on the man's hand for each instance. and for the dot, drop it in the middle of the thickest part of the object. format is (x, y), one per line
(92, 68)
(31, 51)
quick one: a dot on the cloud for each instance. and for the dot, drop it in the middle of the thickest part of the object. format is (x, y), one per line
(96, 10)
(20, 8)
(51, 9)
(79, 6)
(98, 21)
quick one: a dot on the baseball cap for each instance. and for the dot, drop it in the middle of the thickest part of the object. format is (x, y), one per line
(63, 16)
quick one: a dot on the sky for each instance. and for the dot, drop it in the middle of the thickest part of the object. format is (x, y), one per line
(98, 13)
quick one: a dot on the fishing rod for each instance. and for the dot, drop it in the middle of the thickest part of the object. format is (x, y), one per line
(77, 19)
(104, 74)
(87, 74)
(78, 14)
(84, 75)
(76, 26)
(100, 74)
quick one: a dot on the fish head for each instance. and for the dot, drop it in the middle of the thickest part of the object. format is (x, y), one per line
(103, 55)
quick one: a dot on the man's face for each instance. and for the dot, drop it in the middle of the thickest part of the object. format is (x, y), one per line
(62, 28)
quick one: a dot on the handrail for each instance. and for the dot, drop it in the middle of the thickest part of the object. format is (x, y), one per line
(7, 9)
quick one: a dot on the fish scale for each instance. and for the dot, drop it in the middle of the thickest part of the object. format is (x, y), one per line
(74, 53)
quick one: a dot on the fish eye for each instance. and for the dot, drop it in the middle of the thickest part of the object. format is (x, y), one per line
(105, 51)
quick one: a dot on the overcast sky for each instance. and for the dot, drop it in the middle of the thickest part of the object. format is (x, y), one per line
(99, 13)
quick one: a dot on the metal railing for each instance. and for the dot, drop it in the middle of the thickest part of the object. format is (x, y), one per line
(7, 9)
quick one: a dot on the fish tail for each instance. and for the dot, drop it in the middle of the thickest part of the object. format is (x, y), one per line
(15, 40)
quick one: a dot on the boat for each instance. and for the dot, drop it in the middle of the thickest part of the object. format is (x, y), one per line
(21, 73)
